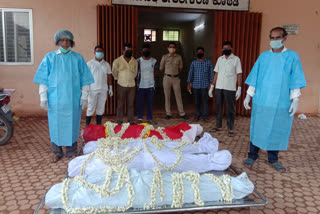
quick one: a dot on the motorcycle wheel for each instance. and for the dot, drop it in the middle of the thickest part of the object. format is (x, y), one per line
(6, 130)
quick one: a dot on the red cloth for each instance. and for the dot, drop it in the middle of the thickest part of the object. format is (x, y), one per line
(174, 132)
(155, 133)
(133, 131)
(117, 129)
(93, 132)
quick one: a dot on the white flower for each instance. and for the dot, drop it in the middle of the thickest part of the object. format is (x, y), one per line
(116, 153)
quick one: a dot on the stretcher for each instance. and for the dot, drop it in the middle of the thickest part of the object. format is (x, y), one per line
(255, 199)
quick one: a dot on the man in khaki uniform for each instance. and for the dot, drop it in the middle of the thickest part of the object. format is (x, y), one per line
(171, 66)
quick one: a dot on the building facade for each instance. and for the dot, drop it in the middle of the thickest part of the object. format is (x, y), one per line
(80, 17)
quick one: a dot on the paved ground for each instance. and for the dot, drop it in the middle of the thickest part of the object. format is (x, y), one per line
(26, 174)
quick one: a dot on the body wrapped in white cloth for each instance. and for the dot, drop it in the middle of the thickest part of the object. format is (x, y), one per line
(175, 189)
(200, 157)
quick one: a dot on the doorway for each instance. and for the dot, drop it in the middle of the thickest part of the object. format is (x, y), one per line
(119, 23)
(189, 30)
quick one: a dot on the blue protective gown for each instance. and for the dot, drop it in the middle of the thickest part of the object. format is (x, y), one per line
(273, 76)
(64, 75)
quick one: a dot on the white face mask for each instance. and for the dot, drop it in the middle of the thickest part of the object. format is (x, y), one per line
(276, 44)
(171, 50)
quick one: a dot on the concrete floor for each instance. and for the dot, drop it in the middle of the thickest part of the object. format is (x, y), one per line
(26, 173)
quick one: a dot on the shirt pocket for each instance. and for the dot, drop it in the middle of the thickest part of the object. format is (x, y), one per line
(230, 68)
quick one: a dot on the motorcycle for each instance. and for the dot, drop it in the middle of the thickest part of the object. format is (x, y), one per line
(7, 117)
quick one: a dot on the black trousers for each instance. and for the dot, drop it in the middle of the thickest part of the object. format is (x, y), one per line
(229, 97)
(253, 154)
(201, 98)
(57, 150)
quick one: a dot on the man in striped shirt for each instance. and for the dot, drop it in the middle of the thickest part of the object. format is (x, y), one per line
(200, 75)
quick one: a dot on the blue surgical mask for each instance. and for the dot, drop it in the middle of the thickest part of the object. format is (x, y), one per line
(99, 55)
(276, 44)
(64, 50)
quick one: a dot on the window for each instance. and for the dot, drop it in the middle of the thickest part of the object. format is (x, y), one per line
(150, 35)
(16, 42)
(170, 35)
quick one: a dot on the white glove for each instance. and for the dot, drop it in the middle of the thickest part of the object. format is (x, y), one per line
(110, 91)
(238, 93)
(211, 90)
(246, 102)
(85, 90)
(44, 104)
(83, 103)
(43, 92)
(294, 106)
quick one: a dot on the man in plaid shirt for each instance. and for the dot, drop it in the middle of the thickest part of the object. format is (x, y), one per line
(200, 75)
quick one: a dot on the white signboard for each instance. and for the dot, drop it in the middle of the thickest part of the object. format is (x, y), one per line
(292, 29)
(242, 5)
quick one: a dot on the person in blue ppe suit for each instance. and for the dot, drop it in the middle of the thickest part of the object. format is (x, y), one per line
(274, 86)
(63, 76)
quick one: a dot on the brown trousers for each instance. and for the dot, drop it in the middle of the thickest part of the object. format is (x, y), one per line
(125, 94)
(168, 83)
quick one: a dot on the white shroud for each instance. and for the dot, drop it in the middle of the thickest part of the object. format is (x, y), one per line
(81, 197)
(201, 157)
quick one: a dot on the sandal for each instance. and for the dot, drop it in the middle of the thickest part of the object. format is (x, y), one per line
(216, 129)
(248, 163)
(278, 166)
(54, 158)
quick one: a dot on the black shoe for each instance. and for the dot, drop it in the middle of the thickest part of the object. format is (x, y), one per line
(119, 122)
(88, 120)
(132, 123)
(99, 119)
(185, 117)
(140, 121)
(197, 118)
(168, 117)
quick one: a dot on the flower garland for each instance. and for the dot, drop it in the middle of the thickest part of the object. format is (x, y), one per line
(104, 189)
(145, 130)
(156, 182)
(119, 158)
(183, 144)
(124, 177)
(224, 184)
(177, 185)
(112, 142)
(83, 167)
(168, 168)
(195, 179)
(110, 129)
(163, 135)
(105, 146)
(110, 153)
(144, 133)
(229, 191)
(124, 128)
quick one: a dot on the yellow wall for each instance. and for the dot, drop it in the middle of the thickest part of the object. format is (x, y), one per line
(79, 16)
